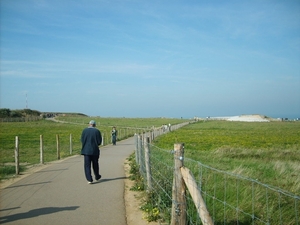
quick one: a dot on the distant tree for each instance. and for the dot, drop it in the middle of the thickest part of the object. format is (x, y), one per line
(29, 112)
(15, 113)
(36, 113)
(4, 113)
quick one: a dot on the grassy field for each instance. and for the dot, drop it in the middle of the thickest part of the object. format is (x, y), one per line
(29, 136)
(141, 123)
(260, 155)
(269, 152)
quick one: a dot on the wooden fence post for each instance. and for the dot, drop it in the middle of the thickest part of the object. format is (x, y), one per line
(41, 150)
(136, 147)
(150, 135)
(102, 139)
(178, 216)
(71, 145)
(140, 152)
(148, 164)
(196, 196)
(57, 146)
(17, 155)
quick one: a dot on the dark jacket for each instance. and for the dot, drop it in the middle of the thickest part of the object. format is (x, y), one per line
(91, 139)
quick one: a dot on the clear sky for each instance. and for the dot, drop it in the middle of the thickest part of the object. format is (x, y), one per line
(138, 58)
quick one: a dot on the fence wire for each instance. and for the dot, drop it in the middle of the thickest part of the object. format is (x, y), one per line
(230, 198)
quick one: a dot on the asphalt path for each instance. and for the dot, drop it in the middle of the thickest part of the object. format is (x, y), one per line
(59, 193)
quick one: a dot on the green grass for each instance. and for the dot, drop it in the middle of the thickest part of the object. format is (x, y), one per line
(269, 152)
(29, 139)
(9, 169)
(266, 152)
(139, 123)
(29, 136)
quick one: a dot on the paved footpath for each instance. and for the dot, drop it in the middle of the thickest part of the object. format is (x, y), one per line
(60, 194)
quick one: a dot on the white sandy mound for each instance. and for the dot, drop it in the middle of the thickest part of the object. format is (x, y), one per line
(248, 118)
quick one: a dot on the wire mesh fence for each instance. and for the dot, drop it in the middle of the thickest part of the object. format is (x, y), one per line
(230, 198)
(34, 149)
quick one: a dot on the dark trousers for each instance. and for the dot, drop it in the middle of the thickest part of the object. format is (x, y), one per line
(114, 140)
(94, 161)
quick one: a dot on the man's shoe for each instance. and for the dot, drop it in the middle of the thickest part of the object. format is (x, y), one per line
(90, 182)
(98, 178)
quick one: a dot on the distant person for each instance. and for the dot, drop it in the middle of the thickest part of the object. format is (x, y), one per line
(114, 134)
(91, 139)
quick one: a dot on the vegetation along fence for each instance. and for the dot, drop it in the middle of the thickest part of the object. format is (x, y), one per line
(42, 149)
(188, 192)
(20, 119)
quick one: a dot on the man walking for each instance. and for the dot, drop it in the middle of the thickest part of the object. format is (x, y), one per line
(91, 139)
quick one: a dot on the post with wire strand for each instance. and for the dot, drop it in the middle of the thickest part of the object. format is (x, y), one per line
(140, 149)
(57, 146)
(178, 216)
(17, 155)
(71, 145)
(136, 147)
(102, 143)
(148, 164)
(41, 150)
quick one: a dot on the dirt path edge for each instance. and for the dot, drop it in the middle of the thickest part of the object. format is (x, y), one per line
(134, 214)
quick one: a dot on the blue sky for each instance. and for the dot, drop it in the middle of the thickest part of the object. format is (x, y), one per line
(136, 58)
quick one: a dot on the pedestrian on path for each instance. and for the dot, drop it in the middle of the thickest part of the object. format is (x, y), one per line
(114, 134)
(91, 139)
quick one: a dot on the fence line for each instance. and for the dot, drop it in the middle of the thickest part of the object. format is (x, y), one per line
(230, 198)
(63, 147)
(60, 147)
(20, 119)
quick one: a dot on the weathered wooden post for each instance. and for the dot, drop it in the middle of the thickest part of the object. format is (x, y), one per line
(136, 147)
(151, 135)
(102, 139)
(17, 155)
(148, 164)
(41, 150)
(71, 145)
(140, 153)
(196, 196)
(57, 146)
(178, 216)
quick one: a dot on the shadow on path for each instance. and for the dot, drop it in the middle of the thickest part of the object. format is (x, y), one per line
(10, 209)
(110, 179)
(46, 171)
(35, 213)
(24, 185)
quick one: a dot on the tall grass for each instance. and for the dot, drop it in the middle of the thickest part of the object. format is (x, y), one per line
(268, 152)
(236, 165)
